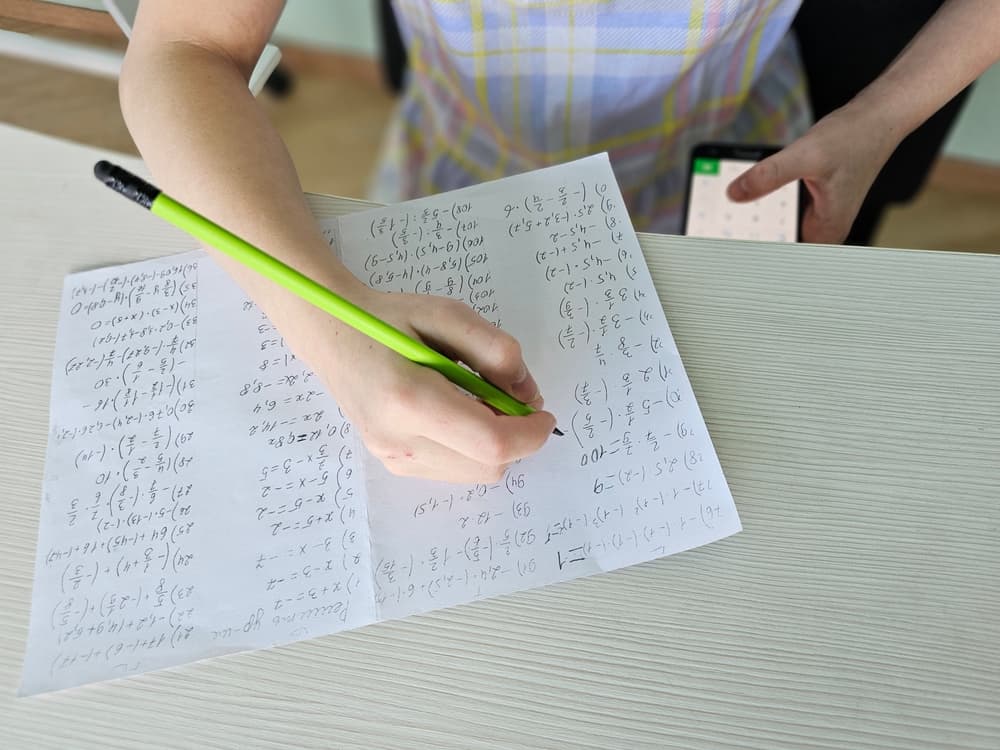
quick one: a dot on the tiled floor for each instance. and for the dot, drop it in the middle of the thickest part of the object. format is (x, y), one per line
(333, 127)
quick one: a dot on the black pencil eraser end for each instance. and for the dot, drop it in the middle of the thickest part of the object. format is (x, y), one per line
(124, 182)
(103, 171)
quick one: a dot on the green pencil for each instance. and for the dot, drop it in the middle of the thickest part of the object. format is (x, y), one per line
(161, 204)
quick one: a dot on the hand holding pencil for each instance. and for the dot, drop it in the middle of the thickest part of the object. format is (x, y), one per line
(428, 427)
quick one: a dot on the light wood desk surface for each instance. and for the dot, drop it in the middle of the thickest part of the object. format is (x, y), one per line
(854, 398)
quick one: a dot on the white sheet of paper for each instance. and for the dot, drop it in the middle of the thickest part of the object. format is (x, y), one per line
(203, 495)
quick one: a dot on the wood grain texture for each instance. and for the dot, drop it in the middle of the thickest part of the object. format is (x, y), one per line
(56, 19)
(854, 399)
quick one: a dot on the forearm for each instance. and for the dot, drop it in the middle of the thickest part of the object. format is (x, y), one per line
(956, 46)
(209, 144)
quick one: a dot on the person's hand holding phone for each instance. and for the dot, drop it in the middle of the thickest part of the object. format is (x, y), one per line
(837, 160)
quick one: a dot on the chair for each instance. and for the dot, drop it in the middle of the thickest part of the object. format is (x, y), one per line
(87, 58)
(123, 11)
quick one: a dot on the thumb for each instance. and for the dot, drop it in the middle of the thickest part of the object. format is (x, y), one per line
(764, 177)
(454, 329)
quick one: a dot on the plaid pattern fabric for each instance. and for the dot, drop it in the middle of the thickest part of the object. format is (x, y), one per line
(499, 87)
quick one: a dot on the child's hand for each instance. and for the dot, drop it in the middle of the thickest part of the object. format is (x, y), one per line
(411, 417)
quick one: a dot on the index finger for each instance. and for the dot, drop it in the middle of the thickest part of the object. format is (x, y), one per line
(762, 178)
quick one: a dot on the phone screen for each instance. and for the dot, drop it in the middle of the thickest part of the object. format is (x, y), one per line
(710, 213)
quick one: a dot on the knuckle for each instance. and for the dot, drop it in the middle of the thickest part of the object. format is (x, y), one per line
(767, 173)
(447, 309)
(402, 396)
(456, 307)
(811, 160)
(809, 151)
(505, 351)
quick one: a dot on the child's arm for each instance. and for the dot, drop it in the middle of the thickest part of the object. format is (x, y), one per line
(185, 98)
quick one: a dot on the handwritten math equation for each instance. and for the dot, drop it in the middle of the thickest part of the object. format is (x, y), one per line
(637, 468)
(205, 494)
(125, 572)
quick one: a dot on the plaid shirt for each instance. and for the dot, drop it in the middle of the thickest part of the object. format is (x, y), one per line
(499, 87)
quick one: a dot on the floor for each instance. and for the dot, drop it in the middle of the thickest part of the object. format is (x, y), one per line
(333, 127)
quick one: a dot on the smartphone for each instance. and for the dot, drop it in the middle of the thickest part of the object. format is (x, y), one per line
(776, 217)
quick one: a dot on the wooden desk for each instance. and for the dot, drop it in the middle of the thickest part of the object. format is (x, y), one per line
(855, 402)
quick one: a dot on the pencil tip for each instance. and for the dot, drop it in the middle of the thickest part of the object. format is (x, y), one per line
(558, 432)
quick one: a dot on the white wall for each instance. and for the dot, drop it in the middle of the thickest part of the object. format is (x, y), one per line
(343, 25)
(977, 133)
